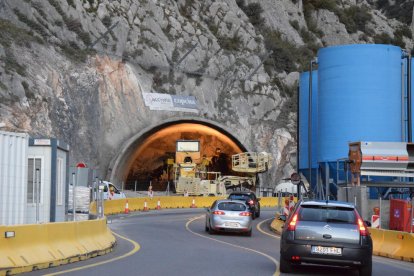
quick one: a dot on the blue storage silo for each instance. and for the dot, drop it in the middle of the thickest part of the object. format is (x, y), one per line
(411, 82)
(360, 97)
(303, 138)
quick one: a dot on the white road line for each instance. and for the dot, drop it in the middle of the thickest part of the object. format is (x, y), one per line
(264, 232)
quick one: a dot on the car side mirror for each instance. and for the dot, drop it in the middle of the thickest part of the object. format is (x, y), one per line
(105, 189)
(282, 218)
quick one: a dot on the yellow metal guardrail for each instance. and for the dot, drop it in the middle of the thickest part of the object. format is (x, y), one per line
(38, 246)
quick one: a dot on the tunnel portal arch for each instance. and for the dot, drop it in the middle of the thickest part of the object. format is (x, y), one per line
(123, 162)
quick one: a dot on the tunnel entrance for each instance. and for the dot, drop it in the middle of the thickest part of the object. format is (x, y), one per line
(150, 157)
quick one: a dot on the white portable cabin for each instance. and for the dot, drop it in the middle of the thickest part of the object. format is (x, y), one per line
(51, 157)
(13, 177)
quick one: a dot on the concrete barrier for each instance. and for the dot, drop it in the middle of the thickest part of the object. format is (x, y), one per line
(269, 201)
(393, 244)
(406, 251)
(377, 236)
(137, 204)
(39, 246)
(276, 226)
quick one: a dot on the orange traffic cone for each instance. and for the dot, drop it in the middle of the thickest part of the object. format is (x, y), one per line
(158, 204)
(193, 203)
(126, 207)
(145, 206)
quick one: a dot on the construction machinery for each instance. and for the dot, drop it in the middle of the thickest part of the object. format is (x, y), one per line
(192, 177)
(381, 159)
(251, 162)
(190, 171)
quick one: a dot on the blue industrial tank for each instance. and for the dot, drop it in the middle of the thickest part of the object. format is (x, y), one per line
(412, 101)
(303, 139)
(359, 97)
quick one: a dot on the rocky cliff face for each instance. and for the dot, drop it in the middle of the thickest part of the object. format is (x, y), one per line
(76, 70)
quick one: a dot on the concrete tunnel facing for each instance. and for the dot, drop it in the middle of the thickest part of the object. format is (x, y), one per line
(144, 157)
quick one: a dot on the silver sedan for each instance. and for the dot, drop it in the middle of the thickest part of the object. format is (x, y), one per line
(229, 216)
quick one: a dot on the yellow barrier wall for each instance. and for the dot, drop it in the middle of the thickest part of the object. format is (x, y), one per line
(39, 246)
(137, 204)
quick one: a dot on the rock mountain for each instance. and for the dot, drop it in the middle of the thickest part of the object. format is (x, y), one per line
(76, 70)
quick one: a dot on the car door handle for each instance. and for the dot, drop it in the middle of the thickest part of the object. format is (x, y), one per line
(327, 236)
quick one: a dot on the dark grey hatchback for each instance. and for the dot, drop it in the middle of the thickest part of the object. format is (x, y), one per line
(325, 232)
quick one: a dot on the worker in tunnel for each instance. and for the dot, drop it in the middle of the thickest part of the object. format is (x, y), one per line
(204, 167)
(150, 192)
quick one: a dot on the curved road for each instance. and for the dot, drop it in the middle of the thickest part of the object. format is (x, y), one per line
(173, 242)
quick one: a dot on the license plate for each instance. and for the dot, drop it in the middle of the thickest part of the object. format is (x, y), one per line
(231, 224)
(326, 250)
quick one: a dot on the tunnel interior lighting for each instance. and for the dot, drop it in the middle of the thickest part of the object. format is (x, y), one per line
(148, 160)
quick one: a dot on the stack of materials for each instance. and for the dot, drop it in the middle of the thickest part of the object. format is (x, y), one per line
(82, 199)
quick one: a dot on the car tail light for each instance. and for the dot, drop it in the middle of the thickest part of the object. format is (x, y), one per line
(251, 202)
(292, 222)
(363, 230)
(218, 213)
(295, 258)
(245, 214)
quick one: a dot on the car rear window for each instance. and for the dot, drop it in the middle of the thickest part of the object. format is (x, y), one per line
(239, 197)
(231, 206)
(327, 214)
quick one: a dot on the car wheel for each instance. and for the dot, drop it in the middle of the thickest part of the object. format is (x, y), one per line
(249, 233)
(210, 230)
(207, 228)
(366, 270)
(285, 266)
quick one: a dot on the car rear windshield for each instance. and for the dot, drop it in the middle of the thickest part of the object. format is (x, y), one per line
(327, 214)
(231, 206)
(239, 197)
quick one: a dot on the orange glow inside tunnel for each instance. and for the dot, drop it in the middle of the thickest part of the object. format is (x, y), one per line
(149, 158)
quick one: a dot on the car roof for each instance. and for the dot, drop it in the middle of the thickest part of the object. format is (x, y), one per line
(241, 193)
(229, 200)
(331, 203)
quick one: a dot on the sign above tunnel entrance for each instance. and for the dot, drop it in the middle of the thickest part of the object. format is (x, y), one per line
(158, 101)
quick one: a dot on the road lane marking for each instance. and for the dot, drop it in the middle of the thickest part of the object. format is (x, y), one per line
(276, 273)
(133, 251)
(258, 226)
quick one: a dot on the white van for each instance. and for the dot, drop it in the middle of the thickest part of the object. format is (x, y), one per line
(108, 186)
(287, 188)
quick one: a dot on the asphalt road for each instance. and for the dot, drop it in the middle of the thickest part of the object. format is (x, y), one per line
(173, 242)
